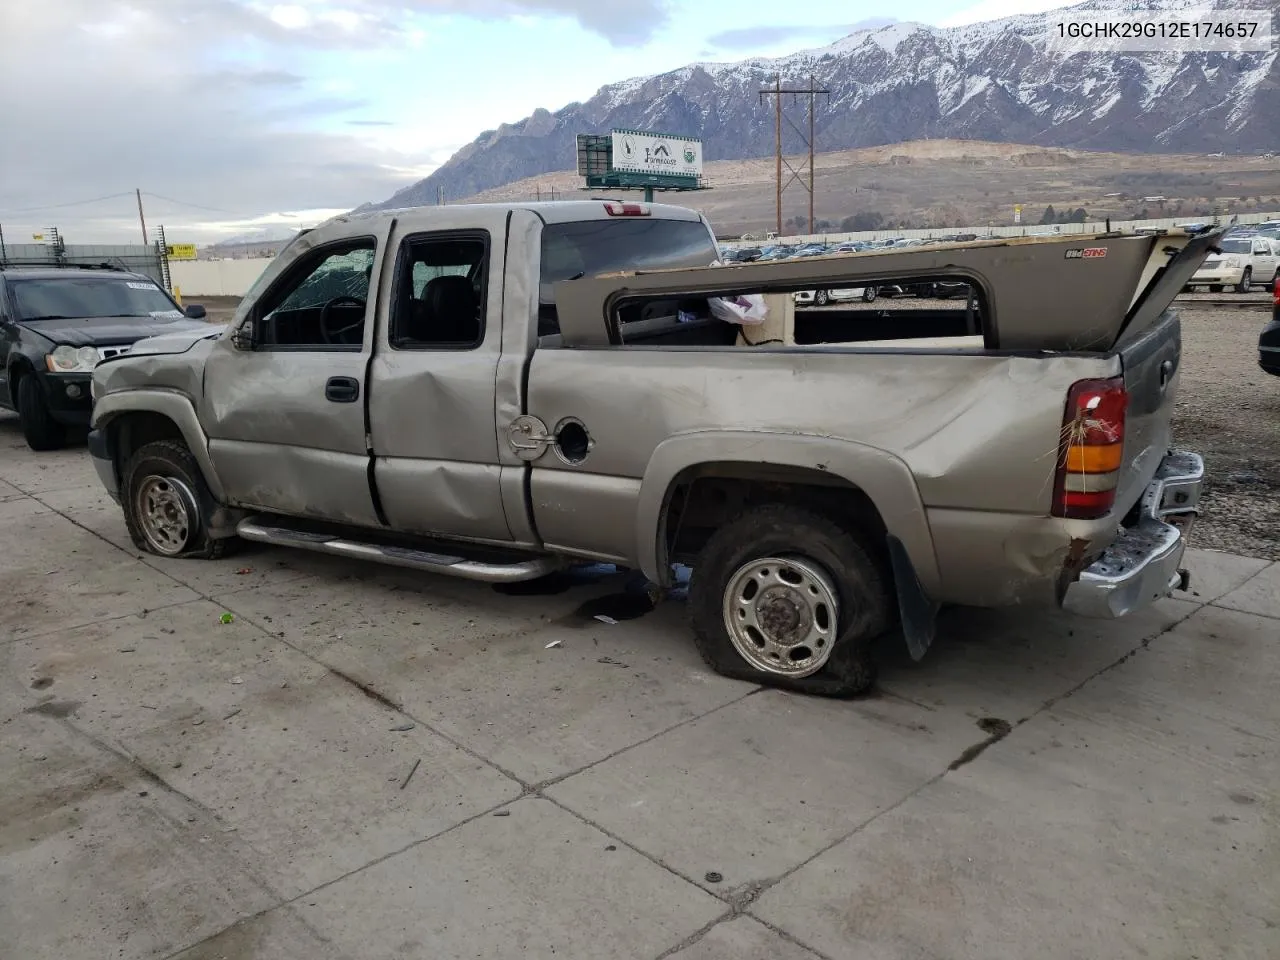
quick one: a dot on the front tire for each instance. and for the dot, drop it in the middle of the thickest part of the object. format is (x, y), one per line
(167, 503)
(789, 598)
(822, 298)
(1246, 281)
(40, 430)
(869, 294)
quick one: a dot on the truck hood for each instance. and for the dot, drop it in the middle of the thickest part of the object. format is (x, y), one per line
(179, 341)
(108, 331)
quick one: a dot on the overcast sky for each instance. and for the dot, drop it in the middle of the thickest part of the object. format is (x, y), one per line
(234, 114)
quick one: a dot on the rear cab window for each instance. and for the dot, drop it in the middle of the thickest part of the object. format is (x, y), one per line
(588, 248)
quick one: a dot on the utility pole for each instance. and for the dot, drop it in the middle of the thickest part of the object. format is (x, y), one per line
(141, 219)
(777, 92)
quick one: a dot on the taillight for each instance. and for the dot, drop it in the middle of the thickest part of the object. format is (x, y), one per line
(1092, 449)
(615, 209)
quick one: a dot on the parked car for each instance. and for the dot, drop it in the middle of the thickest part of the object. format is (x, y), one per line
(820, 298)
(56, 323)
(1243, 262)
(1269, 339)
(433, 427)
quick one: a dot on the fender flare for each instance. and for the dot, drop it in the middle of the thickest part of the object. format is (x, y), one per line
(884, 478)
(175, 406)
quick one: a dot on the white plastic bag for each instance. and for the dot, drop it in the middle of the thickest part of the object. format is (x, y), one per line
(749, 310)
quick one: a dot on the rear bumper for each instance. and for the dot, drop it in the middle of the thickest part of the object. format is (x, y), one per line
(1143, 564)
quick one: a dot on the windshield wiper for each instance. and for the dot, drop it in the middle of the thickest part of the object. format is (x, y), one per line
(51, 316)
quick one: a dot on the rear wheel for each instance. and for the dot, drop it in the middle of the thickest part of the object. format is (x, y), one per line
(786, 597)
(40, 430)
(822, 298)
(1246, 281)
(167, 503)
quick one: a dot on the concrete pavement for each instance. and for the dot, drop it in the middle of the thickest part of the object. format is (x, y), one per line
(368, 763)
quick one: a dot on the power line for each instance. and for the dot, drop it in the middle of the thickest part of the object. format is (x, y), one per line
(197, 206)
(73, 203)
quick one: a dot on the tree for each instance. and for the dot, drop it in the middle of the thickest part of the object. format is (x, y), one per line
(1049, 216)
(1078, 215)
(867, 220)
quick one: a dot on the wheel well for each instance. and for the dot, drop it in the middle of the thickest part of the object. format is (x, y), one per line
(130, 431)
(703, 498)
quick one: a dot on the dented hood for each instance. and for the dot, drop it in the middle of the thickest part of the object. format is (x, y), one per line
(1064, 293)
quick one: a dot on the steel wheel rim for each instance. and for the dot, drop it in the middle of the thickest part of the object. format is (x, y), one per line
(781, 614)
(167, 513)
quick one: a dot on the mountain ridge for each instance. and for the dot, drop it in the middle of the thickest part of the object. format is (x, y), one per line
(1001, 80)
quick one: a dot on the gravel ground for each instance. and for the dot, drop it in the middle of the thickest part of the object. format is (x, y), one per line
(1229, 411)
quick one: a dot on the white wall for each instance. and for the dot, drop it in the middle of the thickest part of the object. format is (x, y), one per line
(216, 278)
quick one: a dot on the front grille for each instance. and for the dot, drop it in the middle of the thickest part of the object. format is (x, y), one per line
(113, 351)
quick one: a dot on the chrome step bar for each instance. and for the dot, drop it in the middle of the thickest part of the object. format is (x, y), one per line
(260, 530)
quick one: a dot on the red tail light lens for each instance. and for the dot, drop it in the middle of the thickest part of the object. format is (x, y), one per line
(1091, 452)
(616, 209)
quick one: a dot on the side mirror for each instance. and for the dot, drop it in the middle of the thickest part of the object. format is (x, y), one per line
(242, 337)
(195, 311)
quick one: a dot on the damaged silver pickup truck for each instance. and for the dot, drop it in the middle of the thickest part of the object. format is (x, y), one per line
(496, 391)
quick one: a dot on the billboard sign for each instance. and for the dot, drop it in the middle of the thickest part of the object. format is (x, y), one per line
(180, 251)
(636, 151)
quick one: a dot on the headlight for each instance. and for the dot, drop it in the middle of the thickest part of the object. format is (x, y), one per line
(1233, 262)
(72, 359)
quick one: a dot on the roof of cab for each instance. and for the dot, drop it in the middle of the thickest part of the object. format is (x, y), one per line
(551, 211)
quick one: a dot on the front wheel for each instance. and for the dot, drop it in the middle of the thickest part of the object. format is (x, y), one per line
(167, 503)
(786, 597)
(822, 298)
(869, 294)
(39, 429)
(1246, 281)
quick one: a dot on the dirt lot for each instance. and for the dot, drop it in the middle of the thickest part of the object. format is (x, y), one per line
(1229, 411)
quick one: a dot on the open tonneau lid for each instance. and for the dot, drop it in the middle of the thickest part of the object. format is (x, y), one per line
(1171, 265)
(1066, 293)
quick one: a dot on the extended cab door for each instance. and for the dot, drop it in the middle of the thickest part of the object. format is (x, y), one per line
(432, 387)
(285, 410)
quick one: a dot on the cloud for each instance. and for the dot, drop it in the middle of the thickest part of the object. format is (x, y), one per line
(192, 101)
(370, 123)
(755, 37)
(621, 22)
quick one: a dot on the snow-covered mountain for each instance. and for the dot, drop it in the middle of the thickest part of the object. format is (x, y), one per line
(1004, 80)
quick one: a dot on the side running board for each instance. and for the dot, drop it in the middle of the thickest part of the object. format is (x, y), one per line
(261, 531)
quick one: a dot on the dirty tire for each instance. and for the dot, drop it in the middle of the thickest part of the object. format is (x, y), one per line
(869, 294)
(170, 460)
(821, 298)
(861, 580)
(40, 430)
(1246, 281)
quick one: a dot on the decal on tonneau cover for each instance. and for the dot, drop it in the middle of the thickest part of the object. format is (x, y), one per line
(1086, 253)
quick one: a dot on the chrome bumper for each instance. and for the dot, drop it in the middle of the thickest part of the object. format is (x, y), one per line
(1143, 564)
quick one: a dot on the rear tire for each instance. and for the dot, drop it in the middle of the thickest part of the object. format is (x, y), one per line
(40, 430)
(1246, 281)
(822, 298)
(789, 598)
(167, 503)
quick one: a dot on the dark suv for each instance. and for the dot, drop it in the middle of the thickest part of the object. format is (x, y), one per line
(56, 323)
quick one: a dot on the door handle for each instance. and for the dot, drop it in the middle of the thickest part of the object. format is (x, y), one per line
(342, 389)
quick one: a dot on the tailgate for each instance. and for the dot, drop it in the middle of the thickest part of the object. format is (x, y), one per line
(1150, 348)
